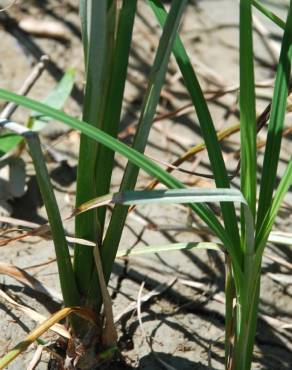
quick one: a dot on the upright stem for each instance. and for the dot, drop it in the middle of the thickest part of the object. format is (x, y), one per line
(229, 312)
(247, 309)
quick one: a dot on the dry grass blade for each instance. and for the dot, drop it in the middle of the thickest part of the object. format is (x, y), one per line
(188, 108)
(13, 2)
(44, 28)
(27, 85)
(286, 326)
(41, 264)
(219, 297)
(18, 222)
(180, 169)
(45, 326)
(138, 306)
(152, 249)
(276, 323)
(29, 280)
(91, 204)
(161, 288)
(56, 328)
(42, 231)
(36, 358)
(280, 237)
(279, 260)
(281, 278)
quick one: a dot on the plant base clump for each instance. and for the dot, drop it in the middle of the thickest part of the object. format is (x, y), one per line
(87, 352)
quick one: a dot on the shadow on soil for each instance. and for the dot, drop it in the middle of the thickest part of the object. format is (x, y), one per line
(154, 361)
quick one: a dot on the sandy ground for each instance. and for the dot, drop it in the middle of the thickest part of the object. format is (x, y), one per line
(184, 324)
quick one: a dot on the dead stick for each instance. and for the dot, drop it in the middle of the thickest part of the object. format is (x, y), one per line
(27, 85)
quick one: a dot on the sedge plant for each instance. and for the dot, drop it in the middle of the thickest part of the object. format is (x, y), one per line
(107, 27)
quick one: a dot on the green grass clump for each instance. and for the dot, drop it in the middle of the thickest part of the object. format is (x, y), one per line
(107, 35)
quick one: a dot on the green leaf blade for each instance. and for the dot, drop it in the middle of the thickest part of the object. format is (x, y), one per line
(8, 141)
(248, 168)
(94, 36)
(150, 101)
(134, 156)
(273, 17)
(114, 99)
(206, 123)
(56, 99)
(276, 123)
(267, 224)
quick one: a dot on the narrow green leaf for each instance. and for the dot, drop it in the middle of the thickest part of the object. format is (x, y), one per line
(172, 196)
(272, 16)
(167, 248)
(179, 196)
(114, 99)
(94, 33)
(56, 99)
(8, 141)
(66, 275)
(249, 298)
(248, 169)
(150, 101)
(182, 196)
(67, 280)
(83, 13)
(135, 157)
(276, 123)
(206, 124)
(268, 222)
(119, 34)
